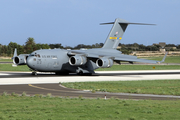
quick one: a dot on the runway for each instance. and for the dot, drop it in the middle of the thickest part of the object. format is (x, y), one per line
(45, 83)
(7, 78)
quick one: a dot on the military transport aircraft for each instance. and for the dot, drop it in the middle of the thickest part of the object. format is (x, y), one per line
(83, 61)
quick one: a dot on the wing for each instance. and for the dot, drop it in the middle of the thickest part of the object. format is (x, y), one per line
(111, 54)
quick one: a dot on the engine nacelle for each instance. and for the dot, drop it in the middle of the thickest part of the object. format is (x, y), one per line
(20, 60)
(77, 60)
(104, 62)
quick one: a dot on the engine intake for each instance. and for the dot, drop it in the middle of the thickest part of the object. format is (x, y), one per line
(20, 60)
(104, 62)
(77, 60)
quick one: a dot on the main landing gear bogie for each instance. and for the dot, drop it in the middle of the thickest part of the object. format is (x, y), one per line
(62, 73)
(84, 74)
(34, 73)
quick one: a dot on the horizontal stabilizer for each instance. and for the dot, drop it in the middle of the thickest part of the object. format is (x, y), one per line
(127, 23)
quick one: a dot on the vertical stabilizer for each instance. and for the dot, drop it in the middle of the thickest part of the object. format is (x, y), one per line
(117, 32)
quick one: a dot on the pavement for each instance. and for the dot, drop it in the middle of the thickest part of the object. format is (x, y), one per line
(45, 83)
(26, 77)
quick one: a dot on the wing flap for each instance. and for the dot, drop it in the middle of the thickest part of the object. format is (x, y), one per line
(140, 60)
(136, 60)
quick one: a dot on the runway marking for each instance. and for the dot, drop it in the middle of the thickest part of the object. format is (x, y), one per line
(43, 88)
(3, 74)
(119, 94)
(51, 89)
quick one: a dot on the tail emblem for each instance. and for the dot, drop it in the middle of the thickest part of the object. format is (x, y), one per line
(115, 38)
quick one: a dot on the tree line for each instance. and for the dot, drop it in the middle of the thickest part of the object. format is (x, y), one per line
(30, 46)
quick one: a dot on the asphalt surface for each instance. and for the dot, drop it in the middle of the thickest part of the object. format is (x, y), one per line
(98, 73)
(57, 90)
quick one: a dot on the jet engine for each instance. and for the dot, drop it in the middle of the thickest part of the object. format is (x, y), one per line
(20, 60)
(104, 62)
(77, 60)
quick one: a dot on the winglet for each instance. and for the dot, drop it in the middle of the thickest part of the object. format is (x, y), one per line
(163, 58)
(15, 53)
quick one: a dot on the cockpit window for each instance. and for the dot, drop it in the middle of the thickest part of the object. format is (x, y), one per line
(36, 54)
(31, 55)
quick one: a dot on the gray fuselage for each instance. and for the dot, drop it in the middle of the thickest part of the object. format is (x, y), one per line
(56, 60)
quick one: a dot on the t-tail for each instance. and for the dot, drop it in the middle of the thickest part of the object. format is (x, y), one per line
(117, 32)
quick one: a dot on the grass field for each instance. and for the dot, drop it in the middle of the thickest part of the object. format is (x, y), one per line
(169, 59)
(140, 67)
(6, 60)
(13, 107)
(48, 108)
(8, 67)
(160, 87)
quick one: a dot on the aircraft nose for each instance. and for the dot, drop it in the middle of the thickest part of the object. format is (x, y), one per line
(30, 62)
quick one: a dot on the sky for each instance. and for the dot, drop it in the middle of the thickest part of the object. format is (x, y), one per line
(73, 22)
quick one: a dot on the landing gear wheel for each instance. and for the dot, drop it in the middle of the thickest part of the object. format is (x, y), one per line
(80, 73)
(34, 73)
(84, 74)
(88, 74)
(62, 73)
